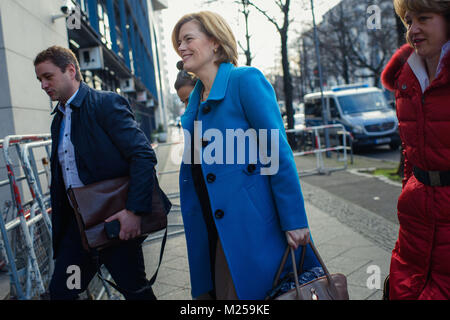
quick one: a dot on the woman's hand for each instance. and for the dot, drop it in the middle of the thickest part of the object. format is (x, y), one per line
(298, 237)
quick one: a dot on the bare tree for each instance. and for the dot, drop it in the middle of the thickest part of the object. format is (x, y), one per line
(283, 29)
(246, 12)
(335, 43)
(400, 31)
(400, 41)
(373, 53)
(349, 49)
(244, 9)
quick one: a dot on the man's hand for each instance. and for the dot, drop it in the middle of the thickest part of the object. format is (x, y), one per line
(130, 224)
(298, 237)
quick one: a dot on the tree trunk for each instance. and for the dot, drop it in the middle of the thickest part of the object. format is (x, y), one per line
(248, 53)
(287, 83)
(400, 31)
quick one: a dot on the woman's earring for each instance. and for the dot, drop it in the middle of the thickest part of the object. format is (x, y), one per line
(215, 50)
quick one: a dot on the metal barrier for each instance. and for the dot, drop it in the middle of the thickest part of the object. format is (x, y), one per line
(26, 226)
(318, 150)
(22, 233)
(175, 195)
(27, 236)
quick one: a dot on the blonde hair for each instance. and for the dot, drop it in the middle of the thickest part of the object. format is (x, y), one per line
(441, 7)
(215, 27)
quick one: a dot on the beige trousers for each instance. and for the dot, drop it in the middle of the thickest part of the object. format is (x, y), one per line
(224, 283)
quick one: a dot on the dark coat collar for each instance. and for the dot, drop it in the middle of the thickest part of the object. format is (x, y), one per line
(78, 100)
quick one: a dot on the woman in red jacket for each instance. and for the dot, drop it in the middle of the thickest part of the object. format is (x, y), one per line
(420, 75)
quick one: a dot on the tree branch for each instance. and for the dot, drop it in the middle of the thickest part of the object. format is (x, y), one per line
(266, 15)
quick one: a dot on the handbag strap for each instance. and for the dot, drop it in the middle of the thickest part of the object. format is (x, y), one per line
(283, 262)
(332, 285)
(94, 255)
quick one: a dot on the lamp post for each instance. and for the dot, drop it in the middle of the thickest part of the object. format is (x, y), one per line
(319, 66)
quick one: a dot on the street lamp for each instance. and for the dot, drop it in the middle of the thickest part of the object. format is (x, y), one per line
(324, 110)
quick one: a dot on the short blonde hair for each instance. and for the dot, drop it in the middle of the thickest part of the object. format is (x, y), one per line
(215, 27)
(441, 7)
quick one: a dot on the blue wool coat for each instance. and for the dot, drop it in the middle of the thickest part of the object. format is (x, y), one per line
(251, 210)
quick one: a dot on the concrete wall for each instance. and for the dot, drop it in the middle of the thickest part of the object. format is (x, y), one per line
(26, 28)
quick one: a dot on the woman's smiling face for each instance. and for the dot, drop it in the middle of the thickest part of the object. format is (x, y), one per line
(195, 47)
(427, 32)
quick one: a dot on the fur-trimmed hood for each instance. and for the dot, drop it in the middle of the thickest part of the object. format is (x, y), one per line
(395, 66)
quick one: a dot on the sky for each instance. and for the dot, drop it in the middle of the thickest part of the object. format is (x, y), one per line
(265, 40)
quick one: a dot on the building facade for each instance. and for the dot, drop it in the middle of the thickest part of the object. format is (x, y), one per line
(117, 43)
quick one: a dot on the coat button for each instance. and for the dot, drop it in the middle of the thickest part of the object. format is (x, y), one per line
(206, 109)
(219, 214)
(251, 168)
(404, 86)
(210, 178)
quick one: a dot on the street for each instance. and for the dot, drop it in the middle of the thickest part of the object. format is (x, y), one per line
(352, 219)
(380, 152)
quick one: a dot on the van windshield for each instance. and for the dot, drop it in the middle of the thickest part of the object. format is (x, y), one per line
(363, 102)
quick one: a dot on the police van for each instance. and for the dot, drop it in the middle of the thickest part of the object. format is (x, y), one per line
(362, 110)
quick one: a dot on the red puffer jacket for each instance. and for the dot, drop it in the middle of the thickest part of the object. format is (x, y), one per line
(420, 264)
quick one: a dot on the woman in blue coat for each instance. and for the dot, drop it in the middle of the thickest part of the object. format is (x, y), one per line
(241, 199)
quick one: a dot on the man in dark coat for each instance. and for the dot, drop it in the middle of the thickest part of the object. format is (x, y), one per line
(94, 138)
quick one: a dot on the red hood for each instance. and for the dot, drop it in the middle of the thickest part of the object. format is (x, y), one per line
(395, 65)
(389, 74)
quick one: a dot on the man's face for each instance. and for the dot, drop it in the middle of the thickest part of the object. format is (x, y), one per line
(56, 84)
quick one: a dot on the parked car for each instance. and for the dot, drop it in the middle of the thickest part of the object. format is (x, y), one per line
(362, 110)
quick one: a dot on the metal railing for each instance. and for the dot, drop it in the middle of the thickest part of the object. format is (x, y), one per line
(174, 195)
(318, 149)
(23, 233)
(26, 227)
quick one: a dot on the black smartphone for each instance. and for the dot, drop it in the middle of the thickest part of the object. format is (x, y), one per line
(112, 229)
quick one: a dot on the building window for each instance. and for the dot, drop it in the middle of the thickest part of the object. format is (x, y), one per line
(118, 33)
(103, 24)
(83, 6)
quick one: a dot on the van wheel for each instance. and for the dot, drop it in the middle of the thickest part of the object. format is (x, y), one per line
(394, 145)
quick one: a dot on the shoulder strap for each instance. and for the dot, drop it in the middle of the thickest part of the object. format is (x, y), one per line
(123, 291)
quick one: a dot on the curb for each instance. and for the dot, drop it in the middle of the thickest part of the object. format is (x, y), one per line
(361, 172)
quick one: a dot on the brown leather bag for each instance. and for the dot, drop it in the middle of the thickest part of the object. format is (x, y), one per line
(328, 287)
(98, 201)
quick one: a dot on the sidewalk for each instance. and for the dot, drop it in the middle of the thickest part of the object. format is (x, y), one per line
(342, 245)
(4, 285)
(352, 219)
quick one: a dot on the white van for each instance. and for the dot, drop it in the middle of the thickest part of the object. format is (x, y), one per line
(363, 111)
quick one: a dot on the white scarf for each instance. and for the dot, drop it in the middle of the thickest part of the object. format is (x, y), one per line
(417, 65)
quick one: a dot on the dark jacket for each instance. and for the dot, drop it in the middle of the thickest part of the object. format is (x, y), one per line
(108, 144)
